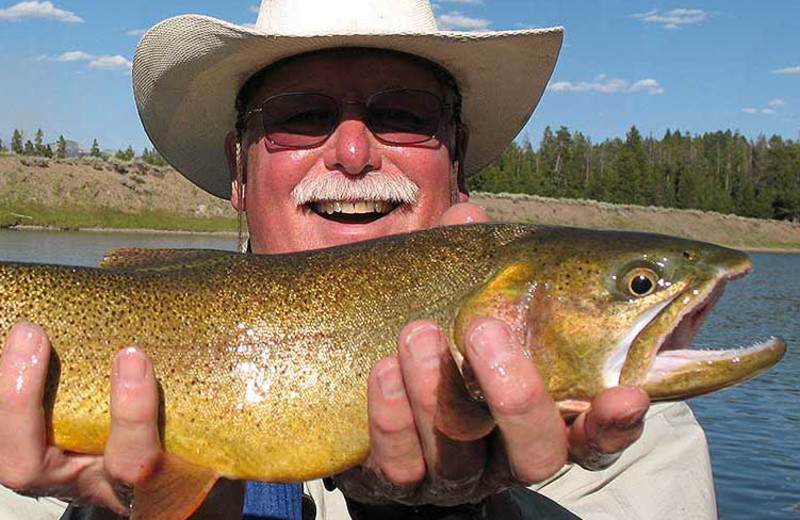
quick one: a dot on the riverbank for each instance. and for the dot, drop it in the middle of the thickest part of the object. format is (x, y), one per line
(92, 194)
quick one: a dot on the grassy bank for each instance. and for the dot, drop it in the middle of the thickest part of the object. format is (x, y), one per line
(729, 230)
(92, 193)
(74, 218)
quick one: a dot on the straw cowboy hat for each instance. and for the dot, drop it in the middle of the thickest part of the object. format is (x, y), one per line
(188, 69)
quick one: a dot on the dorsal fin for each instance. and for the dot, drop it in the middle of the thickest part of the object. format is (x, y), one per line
(141, 259)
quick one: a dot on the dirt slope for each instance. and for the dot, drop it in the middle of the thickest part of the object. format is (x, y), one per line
(84, 184)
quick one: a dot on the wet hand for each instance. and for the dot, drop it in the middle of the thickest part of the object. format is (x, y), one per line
(432, 445)
(32, 465)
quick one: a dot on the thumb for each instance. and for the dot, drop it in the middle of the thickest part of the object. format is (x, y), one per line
(463, 213)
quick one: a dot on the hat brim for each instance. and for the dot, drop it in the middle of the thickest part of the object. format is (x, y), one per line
(188, 69)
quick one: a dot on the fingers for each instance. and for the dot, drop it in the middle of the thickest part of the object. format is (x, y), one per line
(395, 447)
(533, 433)
(424, 358)
(133, 448)
(23, 437)
(463, 213)
(614, 422)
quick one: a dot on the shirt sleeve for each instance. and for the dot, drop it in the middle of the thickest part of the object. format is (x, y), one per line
(18, 507)
(665, 474)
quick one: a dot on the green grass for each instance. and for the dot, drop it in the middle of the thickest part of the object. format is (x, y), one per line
(69, 217)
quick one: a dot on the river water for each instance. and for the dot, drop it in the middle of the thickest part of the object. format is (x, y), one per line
(753, 429)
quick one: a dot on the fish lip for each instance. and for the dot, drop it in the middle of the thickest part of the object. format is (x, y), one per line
(677, 372)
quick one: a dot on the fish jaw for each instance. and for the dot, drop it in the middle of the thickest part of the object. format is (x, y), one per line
(680, 374)
(659, 360)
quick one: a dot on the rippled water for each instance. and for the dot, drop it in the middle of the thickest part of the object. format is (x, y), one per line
(753, 429)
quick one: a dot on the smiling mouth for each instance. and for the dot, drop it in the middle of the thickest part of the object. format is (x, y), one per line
(352, 212)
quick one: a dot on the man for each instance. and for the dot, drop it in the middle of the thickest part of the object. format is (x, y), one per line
(358, 121)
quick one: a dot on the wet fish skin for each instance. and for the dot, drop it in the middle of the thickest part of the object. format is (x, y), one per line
(263, 360)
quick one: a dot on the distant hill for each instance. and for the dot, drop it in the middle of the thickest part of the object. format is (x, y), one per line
(90, 192)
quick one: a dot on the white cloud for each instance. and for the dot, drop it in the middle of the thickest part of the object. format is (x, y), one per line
(136, 32)
(115, 62)
(772, 104)
(35, 9)
(74, 56)
(788, 70)
(648, 85)
(606, 85)
(454, 20)
(673, 19)
(104, 62)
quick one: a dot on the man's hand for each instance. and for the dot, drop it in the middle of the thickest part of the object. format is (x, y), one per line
(31, 465)
(431, 446)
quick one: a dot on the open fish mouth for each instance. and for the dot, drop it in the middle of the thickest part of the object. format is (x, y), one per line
(675, 371)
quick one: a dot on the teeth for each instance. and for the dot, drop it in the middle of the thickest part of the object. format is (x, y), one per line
(369, 206)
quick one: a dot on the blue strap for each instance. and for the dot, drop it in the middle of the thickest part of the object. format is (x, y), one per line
(273, 501)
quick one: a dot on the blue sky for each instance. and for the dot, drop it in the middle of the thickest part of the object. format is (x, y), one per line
(693, 65)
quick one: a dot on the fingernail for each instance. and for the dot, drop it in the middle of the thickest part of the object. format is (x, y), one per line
(490, 341)
(425, 344)
(390, 382)
(631, 419)
(131, 365)
(27, 342)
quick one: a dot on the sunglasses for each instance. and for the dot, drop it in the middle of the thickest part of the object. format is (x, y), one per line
(307, 119)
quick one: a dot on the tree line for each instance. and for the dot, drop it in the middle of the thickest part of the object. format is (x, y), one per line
(716, 171)
(37, 148)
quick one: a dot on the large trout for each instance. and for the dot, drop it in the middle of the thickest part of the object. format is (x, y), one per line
(263, 360)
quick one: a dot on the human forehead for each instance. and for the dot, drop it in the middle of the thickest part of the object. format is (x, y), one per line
(356, 73)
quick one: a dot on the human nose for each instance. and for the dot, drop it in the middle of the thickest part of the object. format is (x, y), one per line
(352, 148)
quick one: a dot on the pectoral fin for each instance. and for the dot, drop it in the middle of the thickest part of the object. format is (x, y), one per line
(173, 492)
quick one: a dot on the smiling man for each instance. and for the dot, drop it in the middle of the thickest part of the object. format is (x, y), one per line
(332, 122)
(360, 155)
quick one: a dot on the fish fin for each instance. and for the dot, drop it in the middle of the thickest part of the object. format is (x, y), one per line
(173, 492)
(141, 259)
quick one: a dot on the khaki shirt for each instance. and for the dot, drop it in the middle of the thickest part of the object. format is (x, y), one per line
(666, 474)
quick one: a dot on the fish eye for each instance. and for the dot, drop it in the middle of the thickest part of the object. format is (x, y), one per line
(640, 282)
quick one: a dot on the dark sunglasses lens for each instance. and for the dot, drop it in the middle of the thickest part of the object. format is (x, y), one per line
(299, 120)
(405, 116)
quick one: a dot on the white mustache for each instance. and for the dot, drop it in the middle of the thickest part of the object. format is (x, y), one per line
(374, 186)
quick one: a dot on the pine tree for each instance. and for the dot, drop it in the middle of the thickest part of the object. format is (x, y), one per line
(153, 158)
(61, 147)
(38, 143)
(95, 150)
(29, 149)
(48, 151)
(16, 142)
